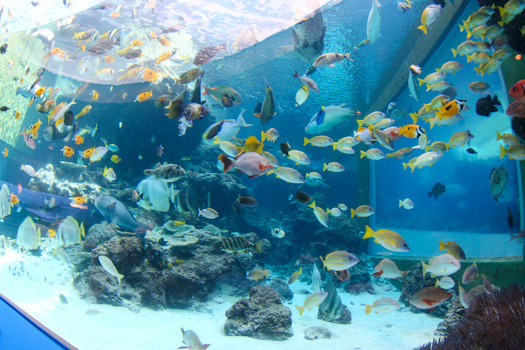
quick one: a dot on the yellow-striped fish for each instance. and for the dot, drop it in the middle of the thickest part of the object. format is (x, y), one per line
(339, 260)
(388, 239)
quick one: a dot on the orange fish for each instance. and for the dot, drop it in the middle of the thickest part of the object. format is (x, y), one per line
(33, 129)
(14, 199)
(17, 115)
(109, 59)
(79, 139)
(87, 153)
(5, 153)
(137, 43)
(150, 75)
(144, 96)
(153, 35)
(67, 151)
(164, 41)
(79, 200)
(83, 48)
(165, 56)
(51, 233)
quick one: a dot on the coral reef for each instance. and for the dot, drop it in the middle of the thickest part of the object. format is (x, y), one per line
(314, 333)
(493, 321)
(455, 313)
(414, 281)
(164, 271)
(56, 182)
(263, 316)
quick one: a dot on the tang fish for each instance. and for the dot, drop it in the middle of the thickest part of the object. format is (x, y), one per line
(498, 181)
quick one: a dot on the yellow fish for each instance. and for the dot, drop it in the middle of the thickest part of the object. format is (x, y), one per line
(388, 239)
(295, 276)
(33, 129)
(94, 95)
(144, 96)
(115, 159)
(451, 109)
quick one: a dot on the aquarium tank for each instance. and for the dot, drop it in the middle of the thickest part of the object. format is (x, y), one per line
(302, 174)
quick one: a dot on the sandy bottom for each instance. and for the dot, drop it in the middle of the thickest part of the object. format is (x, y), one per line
(34, 283)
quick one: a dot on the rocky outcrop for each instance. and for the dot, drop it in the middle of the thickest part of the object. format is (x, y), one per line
(281, 287)
(263, 316)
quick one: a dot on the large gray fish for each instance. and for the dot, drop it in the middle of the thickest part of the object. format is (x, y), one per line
(308, 36)
(498, 181)
(116, 212)
(167, 172)
(267, 108)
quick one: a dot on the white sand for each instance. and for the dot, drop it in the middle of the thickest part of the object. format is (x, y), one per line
(119, 328)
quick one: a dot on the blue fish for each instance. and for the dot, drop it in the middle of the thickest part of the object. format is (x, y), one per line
(320, 116)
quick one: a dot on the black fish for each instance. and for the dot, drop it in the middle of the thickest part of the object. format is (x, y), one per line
(248, 201)
(472, 151)
(437, 190)
(510, 219)
(227, 101)
(310, 70)
(215, 130)
(3, 49)
(257, 108)
(487, 105)
(302, 197)
(133, 54)
(285, 147)
(196, 96)
(4, 108)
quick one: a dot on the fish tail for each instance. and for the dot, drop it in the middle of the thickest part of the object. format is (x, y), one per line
(352, 212)
(368, 232)
(502, 151)
(423, 28)
(501, 23)
(335, 145)
(400, 203)
(498, 136)
(347, 56)
(119, 277)
(441, 244)
(479, 71)
(421, 81)
(469, 58)
(501, 12)
(228, 163)
(296, 74)
(301, 309)
(437, 283)
(414, 117)
(454, 52)
(240, 120)
(312, 205)
(462, 27)
(359, 122)
(368, 309)
(306, 141)
(363, 154)
(405, 166)
(425, 266)
(495, 100)
(324, 167)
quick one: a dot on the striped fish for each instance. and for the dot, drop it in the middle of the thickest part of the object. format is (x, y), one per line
(339, 260)
(62, 298)
(236, 244)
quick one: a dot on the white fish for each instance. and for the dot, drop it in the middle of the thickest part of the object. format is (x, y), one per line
(28, 169)
(373, 25)
(406, 203)
(320, 214)
(429, 15)
(335, 212)
(231, 127)
(209, 213)
(192, 341)
(5, 204)
(28, 237)
(328, 118)
(98, 154)
(298, 157)
(70, 232)
(109, 267)
(342, 206)
(227, 147)
(316, 278)
(302, 95)
(278, 233)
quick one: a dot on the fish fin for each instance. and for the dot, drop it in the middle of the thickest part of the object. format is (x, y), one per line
(454, 52)
(301, 309)
(378, 273)
(496, 101)
(368, 232)
(368, 309)
(424, 268)
(258, 115)
(306, 141)
(324, 167)
(228, 163)
(441, 244)
(427, 301)
(423, 28)
(502, 151)
(111, 206)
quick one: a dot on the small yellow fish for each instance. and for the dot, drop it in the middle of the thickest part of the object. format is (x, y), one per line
(115, 159)
(144, 96)
(94, 95)
(51, 233)
(256, 275)
(79, 139)
(295, 276)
